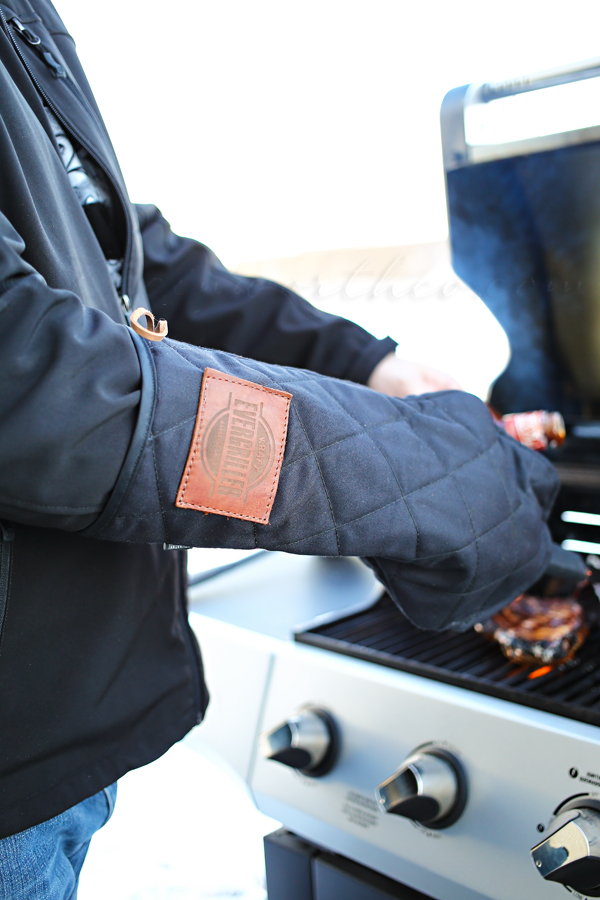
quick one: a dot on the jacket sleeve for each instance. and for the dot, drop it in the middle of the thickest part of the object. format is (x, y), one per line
(209, 306)
(96, 424)
(70, 391)
(445, 506)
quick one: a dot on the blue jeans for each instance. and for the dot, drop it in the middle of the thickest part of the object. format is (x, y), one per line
(44, 862)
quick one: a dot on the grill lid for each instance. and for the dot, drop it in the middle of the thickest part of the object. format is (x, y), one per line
(524, 227)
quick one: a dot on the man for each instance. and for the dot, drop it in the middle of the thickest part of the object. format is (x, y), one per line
(118, 446)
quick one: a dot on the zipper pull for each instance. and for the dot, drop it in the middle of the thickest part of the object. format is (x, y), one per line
(57, 70)
(25, 33)
(126, 308)
(33, 40)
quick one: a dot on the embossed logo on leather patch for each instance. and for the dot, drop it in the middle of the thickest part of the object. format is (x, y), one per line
(237, 448)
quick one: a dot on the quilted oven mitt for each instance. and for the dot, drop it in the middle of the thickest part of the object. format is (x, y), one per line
(446, 508)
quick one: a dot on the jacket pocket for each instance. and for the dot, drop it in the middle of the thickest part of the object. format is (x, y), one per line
(7, 540)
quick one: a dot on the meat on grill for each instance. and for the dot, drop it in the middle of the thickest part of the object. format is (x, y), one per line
(547, 630)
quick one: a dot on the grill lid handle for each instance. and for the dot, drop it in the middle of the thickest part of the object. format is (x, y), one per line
(570, 855)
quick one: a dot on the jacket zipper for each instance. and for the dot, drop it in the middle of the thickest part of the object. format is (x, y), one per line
(7, 538)
(35, 41)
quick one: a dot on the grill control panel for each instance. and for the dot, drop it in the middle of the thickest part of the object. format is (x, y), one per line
(515, 759)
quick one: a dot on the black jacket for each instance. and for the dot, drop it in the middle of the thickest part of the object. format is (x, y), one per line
(99, 671)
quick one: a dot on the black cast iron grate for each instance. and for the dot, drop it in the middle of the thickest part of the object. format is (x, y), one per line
(381, 634)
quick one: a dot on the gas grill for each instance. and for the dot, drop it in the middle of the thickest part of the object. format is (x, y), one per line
(412, 764)
(381, 634)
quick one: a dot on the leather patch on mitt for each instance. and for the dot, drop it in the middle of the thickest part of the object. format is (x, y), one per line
(235, 457)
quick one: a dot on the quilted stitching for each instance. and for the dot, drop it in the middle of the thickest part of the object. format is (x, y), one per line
(323, 482)
(448, 509)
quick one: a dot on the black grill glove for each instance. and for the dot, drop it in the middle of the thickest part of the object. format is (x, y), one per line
(447, 509)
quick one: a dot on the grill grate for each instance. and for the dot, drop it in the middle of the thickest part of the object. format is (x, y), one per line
(381, 634)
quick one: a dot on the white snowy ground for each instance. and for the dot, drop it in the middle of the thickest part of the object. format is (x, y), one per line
(184, 828)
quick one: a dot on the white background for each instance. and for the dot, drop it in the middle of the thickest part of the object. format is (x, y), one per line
(269, 128)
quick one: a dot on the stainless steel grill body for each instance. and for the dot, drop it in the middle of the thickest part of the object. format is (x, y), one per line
(520, 762)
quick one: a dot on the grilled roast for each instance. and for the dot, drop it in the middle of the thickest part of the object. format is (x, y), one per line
(545, 630)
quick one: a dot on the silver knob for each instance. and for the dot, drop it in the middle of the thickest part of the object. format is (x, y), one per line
(307, 741)
(430, 787)
(570, 855)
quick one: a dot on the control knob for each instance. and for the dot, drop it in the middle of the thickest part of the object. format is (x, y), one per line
(307, 741)
(430, 787)
(570, 854)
